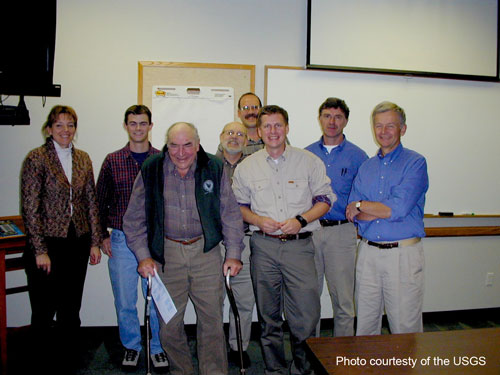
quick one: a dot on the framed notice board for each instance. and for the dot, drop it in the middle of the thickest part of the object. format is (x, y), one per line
(152, 73)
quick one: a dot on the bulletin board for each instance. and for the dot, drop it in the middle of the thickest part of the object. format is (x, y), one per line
(152, 73)
(240, 78)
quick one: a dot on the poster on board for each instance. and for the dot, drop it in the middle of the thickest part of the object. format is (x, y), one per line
(208, 108)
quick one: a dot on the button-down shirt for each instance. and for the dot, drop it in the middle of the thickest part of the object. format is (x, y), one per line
(114, 187)
(229, 168)
(182, 220)
(398, 180)
(253, 146)
(284, 188)
(342, 164)
(250, 148)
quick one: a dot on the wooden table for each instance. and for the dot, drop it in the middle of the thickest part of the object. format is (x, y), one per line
(8, 245)
(470, 351)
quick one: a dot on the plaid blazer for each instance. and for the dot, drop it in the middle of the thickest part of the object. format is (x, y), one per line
(45, 197)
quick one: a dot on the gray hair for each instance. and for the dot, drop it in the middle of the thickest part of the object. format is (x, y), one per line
(389, 106)
(191, 126)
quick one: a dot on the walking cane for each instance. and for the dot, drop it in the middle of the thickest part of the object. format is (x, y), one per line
(232, 302)
(148, 327)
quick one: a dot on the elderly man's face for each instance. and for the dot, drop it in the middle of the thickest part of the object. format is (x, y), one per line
(233, 138)
(388, 130)
(182, 147)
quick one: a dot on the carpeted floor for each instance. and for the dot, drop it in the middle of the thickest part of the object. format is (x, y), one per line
(101, 353)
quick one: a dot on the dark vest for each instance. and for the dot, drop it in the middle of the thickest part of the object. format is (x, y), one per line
(208, 176)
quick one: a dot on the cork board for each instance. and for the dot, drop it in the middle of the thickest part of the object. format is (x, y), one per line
(240, 77)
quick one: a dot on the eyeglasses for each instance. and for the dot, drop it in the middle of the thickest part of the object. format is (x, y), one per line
(249, 107)
(239, 134)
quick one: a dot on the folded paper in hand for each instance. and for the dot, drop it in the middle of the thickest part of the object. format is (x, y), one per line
(163, 301)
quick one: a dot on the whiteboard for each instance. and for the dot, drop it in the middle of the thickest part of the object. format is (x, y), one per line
(454, 124)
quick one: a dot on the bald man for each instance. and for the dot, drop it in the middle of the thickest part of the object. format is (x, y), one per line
(233, 141)
(181, 208)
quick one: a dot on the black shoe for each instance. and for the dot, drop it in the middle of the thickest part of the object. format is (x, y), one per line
(130, 359)
(160, 361)
(234, 358)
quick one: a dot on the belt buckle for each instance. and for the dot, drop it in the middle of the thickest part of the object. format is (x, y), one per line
(283, 237)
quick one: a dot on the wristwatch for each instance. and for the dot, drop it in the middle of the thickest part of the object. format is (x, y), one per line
(302, 221)
(358, 205)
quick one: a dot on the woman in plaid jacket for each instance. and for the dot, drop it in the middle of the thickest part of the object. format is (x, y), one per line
(60, 214)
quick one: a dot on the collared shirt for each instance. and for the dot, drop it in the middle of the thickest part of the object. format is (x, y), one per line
(114, 187)
(399, 180)
(229, 168)
(250, 148)
(253, 146)
(182, 220)
(185, 225)
(282, 189)
(342, 164)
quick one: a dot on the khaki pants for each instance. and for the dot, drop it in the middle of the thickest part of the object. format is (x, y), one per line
(336, 261)
(191, 273)
(392, 279)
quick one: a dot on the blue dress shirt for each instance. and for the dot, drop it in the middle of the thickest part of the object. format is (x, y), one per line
(399, 180)
(342, 165)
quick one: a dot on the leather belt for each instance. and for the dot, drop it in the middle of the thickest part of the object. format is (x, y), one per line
(331, 223)
(286, 237)
(185, 242)
(390, 245)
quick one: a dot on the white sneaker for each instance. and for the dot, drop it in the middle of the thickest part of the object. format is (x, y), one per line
(159, 360)
(130, 358)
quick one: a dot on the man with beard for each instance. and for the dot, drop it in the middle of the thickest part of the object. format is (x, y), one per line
(233, 140)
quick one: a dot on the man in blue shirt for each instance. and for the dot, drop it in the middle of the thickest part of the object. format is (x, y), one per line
(387, 204)
(335, 242)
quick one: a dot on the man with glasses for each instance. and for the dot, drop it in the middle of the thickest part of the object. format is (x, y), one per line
(282, 191)
(233, 140)
(248, 108)
(336, 241)
(114, 187)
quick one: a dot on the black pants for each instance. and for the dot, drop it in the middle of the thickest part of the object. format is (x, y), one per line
(60, 292)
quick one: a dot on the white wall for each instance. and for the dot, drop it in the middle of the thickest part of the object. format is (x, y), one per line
(98, 46)
(99, 43)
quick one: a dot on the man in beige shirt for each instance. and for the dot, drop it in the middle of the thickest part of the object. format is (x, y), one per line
(282, 191)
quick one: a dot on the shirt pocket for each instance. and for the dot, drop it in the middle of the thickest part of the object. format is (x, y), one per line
(298, 194)
(262, 195)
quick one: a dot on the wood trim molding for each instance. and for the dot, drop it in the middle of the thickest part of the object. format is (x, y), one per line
(462, 231)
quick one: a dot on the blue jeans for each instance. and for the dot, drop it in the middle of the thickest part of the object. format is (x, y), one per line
(123, 274)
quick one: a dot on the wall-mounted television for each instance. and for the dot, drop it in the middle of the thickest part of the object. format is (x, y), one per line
(28, 48)
(455, 39)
